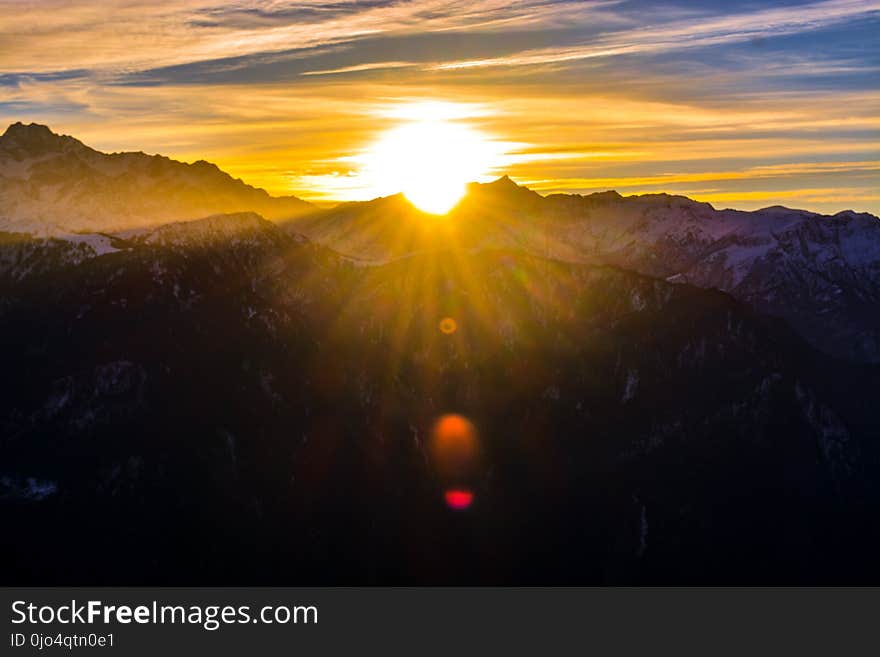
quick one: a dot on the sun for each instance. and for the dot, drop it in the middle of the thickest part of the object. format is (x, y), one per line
(430, 158)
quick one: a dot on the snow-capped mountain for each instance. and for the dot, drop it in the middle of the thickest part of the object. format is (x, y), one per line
(821, 273)
(54, 185)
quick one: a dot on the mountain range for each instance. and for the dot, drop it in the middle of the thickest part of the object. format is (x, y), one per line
(820, 273)
(54, 185)
(663, 392)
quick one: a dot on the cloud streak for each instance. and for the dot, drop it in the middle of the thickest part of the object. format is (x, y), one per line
(744, 101)
(54, 35)
(695, 33)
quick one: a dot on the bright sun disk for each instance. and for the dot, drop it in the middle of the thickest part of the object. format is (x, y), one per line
(430, 160)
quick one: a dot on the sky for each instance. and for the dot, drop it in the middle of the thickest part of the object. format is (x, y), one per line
(742, 104)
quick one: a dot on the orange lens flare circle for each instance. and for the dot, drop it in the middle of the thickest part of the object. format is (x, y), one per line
(448, 325)
(454, 445)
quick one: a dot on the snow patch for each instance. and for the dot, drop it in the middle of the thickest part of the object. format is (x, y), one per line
(28, 489)
(632, 385)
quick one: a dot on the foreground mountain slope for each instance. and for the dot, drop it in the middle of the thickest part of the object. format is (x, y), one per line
(821, 273)
(54, 185)
(220, 401)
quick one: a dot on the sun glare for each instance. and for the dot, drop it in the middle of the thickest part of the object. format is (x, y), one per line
(430, 158)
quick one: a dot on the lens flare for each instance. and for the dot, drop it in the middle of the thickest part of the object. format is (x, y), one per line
(448, 325)
(454, 444)
(455, 451)
(458, 499)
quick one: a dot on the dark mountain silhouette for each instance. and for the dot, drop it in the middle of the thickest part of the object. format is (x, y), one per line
(220, 401)
(661, 392)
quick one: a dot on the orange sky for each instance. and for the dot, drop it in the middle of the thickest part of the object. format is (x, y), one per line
(751, 105)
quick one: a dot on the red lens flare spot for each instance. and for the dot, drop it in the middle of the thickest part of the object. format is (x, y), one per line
(448, 325)
(458, 500)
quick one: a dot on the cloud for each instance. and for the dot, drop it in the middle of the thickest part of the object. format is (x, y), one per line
(668, 180)
(693, 33)
(54, 35)
(583, 95)
(358, 68)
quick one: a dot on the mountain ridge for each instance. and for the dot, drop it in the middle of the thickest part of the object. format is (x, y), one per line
(819, 272)
(54, 185)
(228, 398)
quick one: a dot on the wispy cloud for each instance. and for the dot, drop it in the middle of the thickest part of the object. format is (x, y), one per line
(358, 68)
(670, 180)
(692, 33)
(634, 94)
(825, 199)
(55, 35)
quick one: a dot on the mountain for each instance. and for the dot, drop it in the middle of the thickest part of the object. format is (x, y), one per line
(820, 273)
(497, 215)
(53, 185)
(219, 400)
(228, 398)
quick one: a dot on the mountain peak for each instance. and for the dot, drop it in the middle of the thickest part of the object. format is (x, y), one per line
(502, 190)
(35, 139)
(502, 185)
(19, 129)
(504, 182)
(216, 228)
